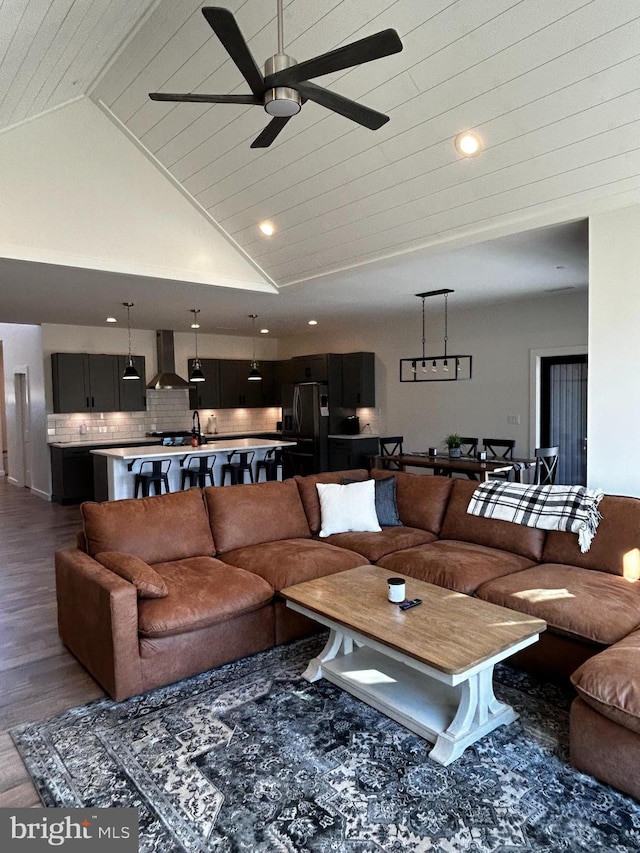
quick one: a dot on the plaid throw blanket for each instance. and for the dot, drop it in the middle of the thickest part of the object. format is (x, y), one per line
(572, 508)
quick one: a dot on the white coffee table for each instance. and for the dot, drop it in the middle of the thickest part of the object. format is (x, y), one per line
(429, 668)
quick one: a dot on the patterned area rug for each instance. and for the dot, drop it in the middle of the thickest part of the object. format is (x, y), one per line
(250, 757)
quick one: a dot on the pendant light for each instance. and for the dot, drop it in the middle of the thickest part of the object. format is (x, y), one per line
(130, 371)
(196, 373)
(435, 368)
(254, 373)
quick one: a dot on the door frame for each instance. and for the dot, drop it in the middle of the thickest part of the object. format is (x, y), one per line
(535, 386)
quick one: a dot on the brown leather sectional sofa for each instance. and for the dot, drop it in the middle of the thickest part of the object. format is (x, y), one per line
(164, 587)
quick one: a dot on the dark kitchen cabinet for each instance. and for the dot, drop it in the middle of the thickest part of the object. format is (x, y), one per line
(347, 453)
(132, 394)
(358, 380)
(205, 395)
(85, 382)
(72, 472)
(309, 368)
(235, 389)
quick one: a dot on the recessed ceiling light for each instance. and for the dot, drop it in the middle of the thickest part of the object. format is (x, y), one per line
(264, 331)
(267, 228)
(468, 143)
(313, 322)
(111, 320)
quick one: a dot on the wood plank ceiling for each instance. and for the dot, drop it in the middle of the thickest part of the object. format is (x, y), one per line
(550, 85)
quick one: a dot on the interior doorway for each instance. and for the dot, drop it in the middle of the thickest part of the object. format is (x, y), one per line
(22, 473)
(563, 414)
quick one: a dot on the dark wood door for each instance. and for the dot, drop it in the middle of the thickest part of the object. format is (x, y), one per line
(563, 415)
(206, 395)
(70, 380)
(358, 380)
(103, 383)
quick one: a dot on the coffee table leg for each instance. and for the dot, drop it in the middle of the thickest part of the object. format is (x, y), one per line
(478, 713)
(337, 644)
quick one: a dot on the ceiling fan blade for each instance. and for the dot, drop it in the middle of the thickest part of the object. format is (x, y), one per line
(264, 139)
(344, 106)
(224, 26)
(367, 49)
(205, 99)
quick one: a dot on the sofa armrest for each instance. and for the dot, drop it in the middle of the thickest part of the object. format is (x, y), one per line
(98, 621)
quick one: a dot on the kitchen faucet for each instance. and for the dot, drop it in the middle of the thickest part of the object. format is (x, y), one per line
(195, 430)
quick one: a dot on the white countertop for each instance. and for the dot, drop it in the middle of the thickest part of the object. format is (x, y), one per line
(161, 452)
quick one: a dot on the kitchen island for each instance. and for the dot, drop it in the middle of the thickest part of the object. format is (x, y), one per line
(115, 467)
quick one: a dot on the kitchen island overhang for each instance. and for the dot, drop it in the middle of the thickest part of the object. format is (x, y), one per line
(115, 467)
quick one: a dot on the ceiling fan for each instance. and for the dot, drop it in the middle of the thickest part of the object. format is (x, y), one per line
(285, 85)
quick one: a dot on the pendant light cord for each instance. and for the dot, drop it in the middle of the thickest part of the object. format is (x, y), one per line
(423, 338)
(446, 324)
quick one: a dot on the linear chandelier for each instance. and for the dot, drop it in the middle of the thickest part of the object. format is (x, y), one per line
(435, 368)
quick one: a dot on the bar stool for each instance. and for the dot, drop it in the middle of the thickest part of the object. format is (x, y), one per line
(152, 471)
(197, 469)
(271, 464)
(237, 465)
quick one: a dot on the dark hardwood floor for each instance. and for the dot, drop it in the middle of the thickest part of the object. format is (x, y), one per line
(38, 677)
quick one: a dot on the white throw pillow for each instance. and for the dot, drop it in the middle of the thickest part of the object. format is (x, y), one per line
(348, 507)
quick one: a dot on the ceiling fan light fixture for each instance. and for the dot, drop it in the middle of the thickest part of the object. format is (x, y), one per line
(282, 102)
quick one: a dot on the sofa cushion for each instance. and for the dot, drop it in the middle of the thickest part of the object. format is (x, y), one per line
(455, 565)
(146, 580)
(346, 507)
(421, 499)
(151, 528)
(203, 591)
(292, 561)
(610, 682)
(616, 546)
(253, 513)
(386, 504)
(373, 546)
(574, 601)
(460, 525)
(309, 494)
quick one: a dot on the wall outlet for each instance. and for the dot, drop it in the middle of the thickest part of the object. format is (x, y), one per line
(513, 419)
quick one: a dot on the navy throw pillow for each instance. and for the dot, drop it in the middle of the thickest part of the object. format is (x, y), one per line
(386, 506)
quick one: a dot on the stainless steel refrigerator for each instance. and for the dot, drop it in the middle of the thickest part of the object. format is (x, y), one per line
(305, 419)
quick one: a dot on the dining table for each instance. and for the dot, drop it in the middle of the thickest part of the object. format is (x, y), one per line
(474, 468)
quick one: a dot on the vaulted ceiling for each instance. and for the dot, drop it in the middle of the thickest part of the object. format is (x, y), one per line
(550, 86)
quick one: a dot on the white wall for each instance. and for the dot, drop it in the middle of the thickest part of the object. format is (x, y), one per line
(22, 353)
(91, 198)
(614, 351)
(499, 337)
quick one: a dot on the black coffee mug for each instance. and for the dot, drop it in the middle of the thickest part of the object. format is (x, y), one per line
(481, 455)
(433, 451)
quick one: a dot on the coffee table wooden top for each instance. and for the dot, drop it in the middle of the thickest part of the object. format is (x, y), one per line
(449, 631)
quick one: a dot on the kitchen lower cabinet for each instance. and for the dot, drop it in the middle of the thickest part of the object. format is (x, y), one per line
(72, 478)
(346, 453)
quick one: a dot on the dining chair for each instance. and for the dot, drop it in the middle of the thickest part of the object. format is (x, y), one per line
(390, 446)
(499, 448)
(468, 446)
(546, 468)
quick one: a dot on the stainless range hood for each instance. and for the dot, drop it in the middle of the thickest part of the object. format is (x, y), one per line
(166, 378)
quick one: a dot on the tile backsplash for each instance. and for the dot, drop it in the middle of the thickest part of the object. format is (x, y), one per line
(166, 410)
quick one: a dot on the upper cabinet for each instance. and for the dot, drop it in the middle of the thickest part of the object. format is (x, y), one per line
(235, 388)
(132, 393)
(86, 382)
(358, 380)
(205, 395)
